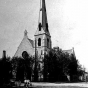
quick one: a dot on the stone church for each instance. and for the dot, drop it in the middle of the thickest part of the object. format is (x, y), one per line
(42, 42)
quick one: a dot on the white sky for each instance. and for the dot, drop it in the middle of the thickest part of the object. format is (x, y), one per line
(68, 24)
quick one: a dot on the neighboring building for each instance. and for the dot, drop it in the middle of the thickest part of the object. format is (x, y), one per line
(84, 77)
(56, 48)
(70, 51)
(42, 42)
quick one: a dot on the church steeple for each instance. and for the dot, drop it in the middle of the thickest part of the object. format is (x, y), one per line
(42, 35)
(43, 42)
(43, 23)
(43, 17)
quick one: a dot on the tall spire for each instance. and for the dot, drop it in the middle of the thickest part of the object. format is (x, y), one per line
(43, 16)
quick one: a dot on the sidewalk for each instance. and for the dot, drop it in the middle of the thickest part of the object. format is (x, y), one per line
(83, 84)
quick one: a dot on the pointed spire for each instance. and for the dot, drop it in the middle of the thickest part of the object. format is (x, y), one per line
(43, 16)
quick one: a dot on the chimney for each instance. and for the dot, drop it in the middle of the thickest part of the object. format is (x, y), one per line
(4, 54)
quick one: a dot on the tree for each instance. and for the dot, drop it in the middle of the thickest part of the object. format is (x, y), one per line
(20, 71)
(36, 72)
(73, 65)
(22, 67)
(15, 65)
(58, 65)
(52, 67)
(5, 70)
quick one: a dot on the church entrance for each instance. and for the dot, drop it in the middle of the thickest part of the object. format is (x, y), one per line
(24, 68)
(27, 68)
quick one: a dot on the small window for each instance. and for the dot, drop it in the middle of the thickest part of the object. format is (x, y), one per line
(39, 26)
(41, 52)
(48, 43)
(39, 42)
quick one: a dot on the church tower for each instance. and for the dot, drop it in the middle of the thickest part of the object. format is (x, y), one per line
(42, 35)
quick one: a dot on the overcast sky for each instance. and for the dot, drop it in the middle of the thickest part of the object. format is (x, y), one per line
(68, 24)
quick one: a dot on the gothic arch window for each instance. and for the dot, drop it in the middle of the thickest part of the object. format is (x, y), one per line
(47, 42)
(39, 42)
(39, 26)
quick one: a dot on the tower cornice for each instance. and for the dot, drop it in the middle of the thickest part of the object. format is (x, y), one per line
(42, 34)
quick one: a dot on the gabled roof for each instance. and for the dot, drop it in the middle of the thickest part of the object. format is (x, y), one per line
(31, 41)
(25, 45)
(70, 51)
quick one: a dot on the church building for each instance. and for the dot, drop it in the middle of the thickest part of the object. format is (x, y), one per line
(42, 43)
(42, 38)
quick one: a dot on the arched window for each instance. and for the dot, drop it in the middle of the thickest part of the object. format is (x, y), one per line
(41, 52)
(48, 43)
(25, 54)
(39, 42)
(39, 26)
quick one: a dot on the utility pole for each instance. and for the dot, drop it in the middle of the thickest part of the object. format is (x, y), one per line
(35, 68)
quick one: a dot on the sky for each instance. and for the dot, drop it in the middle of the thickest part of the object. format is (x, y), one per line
(67, 19)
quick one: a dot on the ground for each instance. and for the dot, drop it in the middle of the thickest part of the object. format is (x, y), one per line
(60, 85)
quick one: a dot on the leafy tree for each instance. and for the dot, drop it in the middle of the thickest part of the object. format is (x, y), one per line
(22, 67)
(51, 66)
(73, 68)
(5, 70)
(20, 71)
(36, 71)
(58, 65)
(15, 64)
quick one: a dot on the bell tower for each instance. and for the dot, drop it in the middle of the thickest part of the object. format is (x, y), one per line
(42, 35)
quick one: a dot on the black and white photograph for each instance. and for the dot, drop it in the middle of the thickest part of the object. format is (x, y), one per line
(43, 43)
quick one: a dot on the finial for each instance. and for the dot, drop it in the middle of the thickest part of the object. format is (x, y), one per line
(25, 33)
(73, 49)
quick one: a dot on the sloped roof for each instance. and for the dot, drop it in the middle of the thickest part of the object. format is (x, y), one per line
(70, 51)
(25, 45)
(31, 41)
